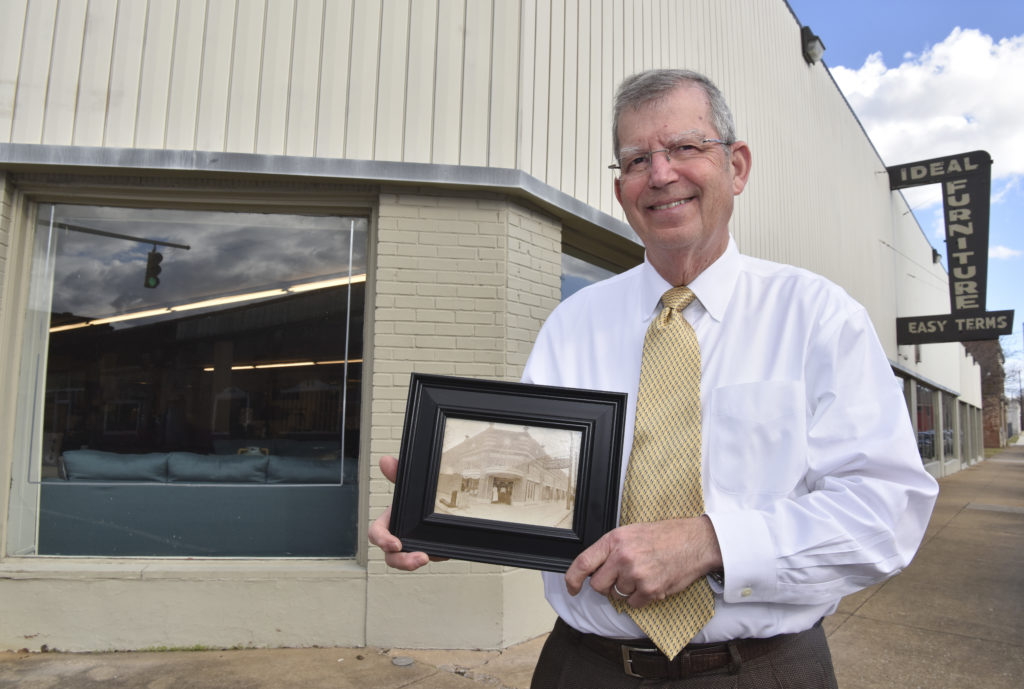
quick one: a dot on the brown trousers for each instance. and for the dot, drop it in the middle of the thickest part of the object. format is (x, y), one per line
(803, 662)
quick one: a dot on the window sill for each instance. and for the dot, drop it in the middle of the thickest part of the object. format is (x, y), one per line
(71, 568)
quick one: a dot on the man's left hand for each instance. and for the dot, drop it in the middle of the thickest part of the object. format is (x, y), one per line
(647, 561)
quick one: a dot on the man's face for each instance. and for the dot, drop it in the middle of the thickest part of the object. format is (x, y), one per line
(680, 208)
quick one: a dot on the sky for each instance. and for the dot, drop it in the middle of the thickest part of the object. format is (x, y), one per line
(931, 78)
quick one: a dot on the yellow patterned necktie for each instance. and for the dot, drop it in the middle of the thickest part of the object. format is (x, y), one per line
(663, 477)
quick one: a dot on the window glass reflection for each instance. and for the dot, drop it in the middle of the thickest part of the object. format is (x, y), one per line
(949, 448)
(237, 362)
(925, 422)
(577, 274)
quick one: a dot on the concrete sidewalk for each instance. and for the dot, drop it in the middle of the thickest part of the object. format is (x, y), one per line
(953, 619)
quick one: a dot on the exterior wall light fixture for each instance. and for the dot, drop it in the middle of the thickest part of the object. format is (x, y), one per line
(812, 45)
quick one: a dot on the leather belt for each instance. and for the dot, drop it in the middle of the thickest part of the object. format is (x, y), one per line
(640, 658)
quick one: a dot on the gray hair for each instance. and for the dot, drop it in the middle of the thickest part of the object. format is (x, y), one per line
(644, 87)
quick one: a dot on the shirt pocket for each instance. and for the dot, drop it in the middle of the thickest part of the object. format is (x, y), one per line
(758, 438)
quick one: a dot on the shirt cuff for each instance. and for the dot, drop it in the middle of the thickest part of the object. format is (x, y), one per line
(748, 556)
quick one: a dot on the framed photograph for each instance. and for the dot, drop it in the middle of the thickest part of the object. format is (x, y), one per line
(507, 473)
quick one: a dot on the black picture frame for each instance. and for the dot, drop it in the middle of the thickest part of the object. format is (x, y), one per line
(450, 498)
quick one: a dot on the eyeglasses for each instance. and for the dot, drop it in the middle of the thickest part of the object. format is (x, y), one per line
(637, 164)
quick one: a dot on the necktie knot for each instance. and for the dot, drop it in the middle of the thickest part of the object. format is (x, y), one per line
(674, 300)
(678, 298)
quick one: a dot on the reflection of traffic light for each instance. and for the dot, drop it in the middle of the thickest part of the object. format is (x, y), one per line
(153, 269)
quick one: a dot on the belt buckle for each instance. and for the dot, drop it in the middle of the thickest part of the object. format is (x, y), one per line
(627, 659)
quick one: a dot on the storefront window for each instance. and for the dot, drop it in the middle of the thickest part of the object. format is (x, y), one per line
(977, 432)
(949, 448)
(908, 386)
(926, 422)
(577, 274)
(965, 432)
(193, 382)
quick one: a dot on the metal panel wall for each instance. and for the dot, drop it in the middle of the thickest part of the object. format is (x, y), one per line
(520, 84)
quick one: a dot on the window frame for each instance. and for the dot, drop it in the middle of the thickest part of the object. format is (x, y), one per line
(252, 194)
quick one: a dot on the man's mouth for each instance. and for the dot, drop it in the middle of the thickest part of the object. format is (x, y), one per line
(672, 204)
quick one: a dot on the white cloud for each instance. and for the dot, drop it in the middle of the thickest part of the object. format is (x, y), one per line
(1012, 185)
(1003, 252)
(963, 94)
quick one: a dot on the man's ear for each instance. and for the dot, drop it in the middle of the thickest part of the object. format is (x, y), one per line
(618, 190)
(741, 162)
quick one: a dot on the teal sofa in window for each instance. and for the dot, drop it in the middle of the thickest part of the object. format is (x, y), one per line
(191, 467)
(185, 504)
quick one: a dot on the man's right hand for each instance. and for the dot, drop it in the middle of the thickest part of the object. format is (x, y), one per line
(381, 537)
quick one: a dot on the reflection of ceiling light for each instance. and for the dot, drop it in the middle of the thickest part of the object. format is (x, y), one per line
(219, 301)
(324, 284)
(72, 326)
(290, 364)
(129, 316)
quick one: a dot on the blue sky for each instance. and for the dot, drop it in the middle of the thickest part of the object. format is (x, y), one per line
(963, 63)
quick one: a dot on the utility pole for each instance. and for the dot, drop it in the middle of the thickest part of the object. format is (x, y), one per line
(1020, 394)
(1020, 407)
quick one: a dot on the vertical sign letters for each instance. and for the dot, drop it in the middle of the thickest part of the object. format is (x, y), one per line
(966, 181)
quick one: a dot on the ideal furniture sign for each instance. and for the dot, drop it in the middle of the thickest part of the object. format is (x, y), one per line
(966, 181)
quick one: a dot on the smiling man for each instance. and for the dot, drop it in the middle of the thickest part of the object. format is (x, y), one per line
(770, 464)
(678, 177)
(811, 486)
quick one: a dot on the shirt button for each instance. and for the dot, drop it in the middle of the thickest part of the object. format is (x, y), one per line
(746, 592)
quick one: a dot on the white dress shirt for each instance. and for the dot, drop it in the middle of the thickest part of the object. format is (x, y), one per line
(811, 473)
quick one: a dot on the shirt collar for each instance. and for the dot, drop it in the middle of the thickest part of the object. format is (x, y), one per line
(713, 287)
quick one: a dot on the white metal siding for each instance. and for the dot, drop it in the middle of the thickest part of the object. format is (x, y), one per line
(521, 84)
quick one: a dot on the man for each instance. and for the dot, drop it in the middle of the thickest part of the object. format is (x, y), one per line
(812, 487)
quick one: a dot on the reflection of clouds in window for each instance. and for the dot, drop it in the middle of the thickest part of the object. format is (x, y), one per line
(92, 272)
(577, 274)
(229, 253)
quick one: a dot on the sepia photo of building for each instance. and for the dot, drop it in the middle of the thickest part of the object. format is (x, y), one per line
(509, 473)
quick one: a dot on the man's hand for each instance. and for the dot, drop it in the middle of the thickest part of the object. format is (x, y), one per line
(648, 561)
(381, 537)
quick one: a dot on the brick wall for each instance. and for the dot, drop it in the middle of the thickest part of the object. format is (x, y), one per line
(461, 286)
(534, 282)
(989, 355)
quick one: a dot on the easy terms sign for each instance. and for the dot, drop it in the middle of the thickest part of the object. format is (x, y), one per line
(966, 181)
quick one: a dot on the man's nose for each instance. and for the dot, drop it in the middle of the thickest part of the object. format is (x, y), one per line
(662, 169)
